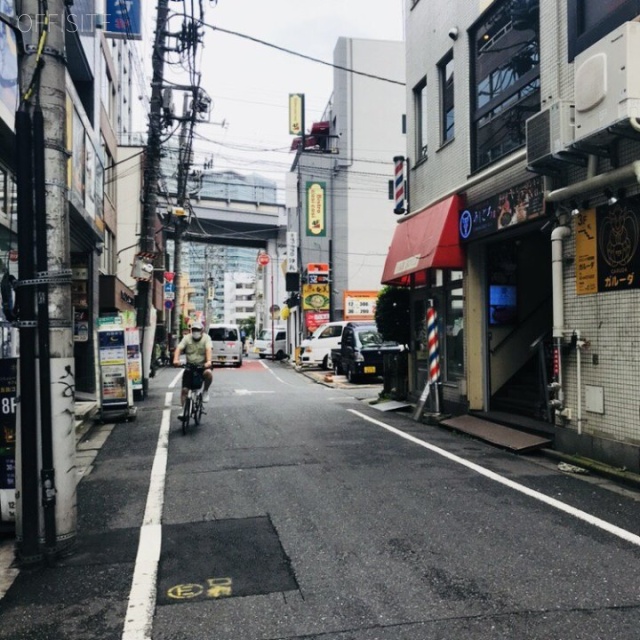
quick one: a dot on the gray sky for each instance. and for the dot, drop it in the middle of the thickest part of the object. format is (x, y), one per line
(250, 83)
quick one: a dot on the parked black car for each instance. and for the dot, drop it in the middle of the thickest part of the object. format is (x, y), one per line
(361, 352)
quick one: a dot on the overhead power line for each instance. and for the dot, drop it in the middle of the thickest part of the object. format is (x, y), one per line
(302, 55)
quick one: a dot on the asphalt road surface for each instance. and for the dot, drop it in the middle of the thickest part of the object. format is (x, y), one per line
(300, 511)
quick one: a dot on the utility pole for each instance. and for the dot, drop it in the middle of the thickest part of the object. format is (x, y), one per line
(182, 221)
(151, 177)
(46, 485)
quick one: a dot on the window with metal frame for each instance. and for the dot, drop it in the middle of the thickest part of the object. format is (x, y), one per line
(505, 65)
(447, 102)
(420, 107)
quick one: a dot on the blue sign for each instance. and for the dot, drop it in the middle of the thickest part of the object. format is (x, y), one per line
(124, 18)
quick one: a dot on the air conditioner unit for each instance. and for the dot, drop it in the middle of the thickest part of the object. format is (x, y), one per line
(607, 82)
(550, 134)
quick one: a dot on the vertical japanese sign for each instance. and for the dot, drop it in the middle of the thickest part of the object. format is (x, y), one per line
(296, 113)
(586, 253)
(292, 251)
(316, 209)
(8, 388)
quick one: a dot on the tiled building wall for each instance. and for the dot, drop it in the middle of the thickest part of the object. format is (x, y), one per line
(610, 322)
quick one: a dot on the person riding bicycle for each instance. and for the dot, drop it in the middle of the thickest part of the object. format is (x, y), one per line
(197, 349)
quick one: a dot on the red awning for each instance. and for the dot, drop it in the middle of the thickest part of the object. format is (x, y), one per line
(425, 240)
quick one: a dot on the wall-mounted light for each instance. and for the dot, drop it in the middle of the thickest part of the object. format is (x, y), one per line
(453, 33)
(611, 198)
(575, 211)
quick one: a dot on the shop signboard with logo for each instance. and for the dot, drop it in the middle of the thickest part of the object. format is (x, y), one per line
(511, 207)
(608, 248)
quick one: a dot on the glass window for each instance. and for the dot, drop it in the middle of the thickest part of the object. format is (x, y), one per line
(590, 20)
(420, 104)
(447, 104)
(506, 82)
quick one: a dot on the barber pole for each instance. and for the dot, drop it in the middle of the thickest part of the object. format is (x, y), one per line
(432, 340)
(398, 184)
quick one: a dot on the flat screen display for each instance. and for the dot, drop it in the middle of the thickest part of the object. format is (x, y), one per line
(503, 304)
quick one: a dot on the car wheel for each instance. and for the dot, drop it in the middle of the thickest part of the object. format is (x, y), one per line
(337, 369)
(325, 363)
(261, 356)
(351, 376)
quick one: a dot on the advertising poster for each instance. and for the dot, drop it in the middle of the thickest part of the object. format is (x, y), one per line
(586, 253)
(313, 319)
(134, 358)
(112, 356)
(360, 305)
(8, 390)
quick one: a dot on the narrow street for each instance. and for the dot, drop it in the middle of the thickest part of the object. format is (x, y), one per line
(297, 510)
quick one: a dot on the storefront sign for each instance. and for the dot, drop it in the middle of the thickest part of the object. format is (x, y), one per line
(316, 209)
(315, 297)
(296, 113)
(586, 253)
(313, 319)
(514, 206)
(360, 305)
(608, 248)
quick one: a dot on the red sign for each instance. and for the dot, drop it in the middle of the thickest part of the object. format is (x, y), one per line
(168, 276)
(168, 304)
(317, 267)
(263, 259)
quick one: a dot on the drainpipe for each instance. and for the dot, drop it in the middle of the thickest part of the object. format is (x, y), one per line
(557, 237)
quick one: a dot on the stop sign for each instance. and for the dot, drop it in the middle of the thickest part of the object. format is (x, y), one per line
(263, 259)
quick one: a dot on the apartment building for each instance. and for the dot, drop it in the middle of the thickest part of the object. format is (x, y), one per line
(523, 227)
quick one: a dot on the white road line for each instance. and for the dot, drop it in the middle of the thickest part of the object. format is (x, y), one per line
(174, 382)
(536, 495)
(142, 597)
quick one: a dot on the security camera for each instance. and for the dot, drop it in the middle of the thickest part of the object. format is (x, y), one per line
(453, 33)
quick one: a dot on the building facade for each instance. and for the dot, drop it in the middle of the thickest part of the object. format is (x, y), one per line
(522, 233)
(338, 198)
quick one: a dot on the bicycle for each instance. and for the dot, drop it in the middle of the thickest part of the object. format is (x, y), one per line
(193, 404)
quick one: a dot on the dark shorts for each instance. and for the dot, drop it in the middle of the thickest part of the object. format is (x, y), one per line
(192, 379)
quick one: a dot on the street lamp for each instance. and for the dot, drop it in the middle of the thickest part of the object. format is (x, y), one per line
(263, 260)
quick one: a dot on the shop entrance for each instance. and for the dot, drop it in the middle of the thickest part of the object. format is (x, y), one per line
(519, 322)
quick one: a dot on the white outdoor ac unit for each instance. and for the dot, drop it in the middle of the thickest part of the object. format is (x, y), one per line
(607, 82)
(549, 134)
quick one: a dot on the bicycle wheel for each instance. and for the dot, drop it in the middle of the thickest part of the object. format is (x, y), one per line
(186, 416)
(197, 409)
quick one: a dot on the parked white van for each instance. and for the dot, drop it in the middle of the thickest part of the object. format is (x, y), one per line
(262, 345)
(226, 344)
(316, 350)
